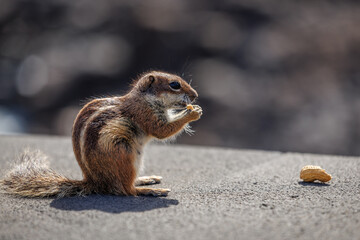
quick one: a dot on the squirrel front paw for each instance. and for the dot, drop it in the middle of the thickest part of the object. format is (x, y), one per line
(195, 112)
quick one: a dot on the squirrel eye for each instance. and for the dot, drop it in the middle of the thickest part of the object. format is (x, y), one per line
(175, 85)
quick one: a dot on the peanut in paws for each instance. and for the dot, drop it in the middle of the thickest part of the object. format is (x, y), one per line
(190, 107)
(195, 112)
(194, 108)
(311, 173)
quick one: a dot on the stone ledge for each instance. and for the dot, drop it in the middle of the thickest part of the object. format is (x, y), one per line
(216, 194)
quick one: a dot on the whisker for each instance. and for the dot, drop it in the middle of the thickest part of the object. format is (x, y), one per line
(188, 130)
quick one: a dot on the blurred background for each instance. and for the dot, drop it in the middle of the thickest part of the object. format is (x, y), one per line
(271, 75)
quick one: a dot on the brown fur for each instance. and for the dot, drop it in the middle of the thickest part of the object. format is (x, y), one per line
(108, 139)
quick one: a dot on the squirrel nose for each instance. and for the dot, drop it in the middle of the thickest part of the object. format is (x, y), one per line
(193, 95)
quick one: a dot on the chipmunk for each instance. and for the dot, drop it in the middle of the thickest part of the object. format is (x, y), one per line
(108, 138)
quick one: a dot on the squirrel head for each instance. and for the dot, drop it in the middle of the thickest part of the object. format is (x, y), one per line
(171, 90)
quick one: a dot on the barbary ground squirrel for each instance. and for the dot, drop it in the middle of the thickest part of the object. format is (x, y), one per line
(108, 137)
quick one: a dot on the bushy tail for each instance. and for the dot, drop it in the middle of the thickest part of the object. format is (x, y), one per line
(32, 177)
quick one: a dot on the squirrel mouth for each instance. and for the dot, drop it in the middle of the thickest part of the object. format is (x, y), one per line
(182, 104)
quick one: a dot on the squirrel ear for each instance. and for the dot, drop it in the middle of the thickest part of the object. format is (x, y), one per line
(146, 83)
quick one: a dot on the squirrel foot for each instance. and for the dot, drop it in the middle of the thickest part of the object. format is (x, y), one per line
(156, 192)
(148, 180)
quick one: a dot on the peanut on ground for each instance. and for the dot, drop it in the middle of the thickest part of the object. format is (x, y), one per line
(311, 173)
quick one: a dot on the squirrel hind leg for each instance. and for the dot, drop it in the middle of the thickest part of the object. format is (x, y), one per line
(156, 192)
(148, 180)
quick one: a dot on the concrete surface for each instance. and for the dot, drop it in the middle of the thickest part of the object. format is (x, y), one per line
(216, 194)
